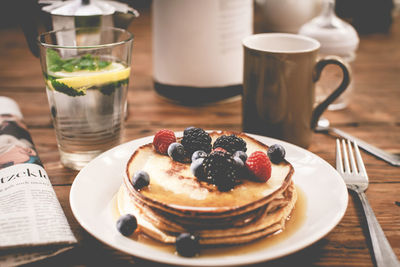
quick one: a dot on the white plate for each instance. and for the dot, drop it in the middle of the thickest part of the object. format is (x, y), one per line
(94, 187)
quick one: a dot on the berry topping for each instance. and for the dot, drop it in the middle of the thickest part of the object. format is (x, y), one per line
(196, 139)
(230, 143)
(276, 153)
(198, 154)
(140, 179)
(220, 169)
(219, 149)
(127, 224)
(242, 155)
(187, 129)
(239, 161)
(259, 165)
(162, 139)
(197, 168)
(187, 245)
(176, 151)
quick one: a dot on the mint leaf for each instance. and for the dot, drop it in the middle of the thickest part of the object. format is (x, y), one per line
(53, 57)
(68, 67)
(85, 62)
(55, 68)
(103, 64)
(62, 88)
(87, 56)
(53, 60)
(109, 89)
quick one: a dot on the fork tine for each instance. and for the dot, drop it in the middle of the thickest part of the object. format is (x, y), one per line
(345, 157)
(351, 156)
(339, 163)
(360, 161)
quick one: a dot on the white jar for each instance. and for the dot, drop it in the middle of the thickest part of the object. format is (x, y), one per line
(339, 38)
(197, 52)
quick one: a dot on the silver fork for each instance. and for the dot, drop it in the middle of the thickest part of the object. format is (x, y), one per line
(356, 179)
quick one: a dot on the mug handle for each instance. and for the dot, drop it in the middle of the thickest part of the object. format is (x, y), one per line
(318, 110)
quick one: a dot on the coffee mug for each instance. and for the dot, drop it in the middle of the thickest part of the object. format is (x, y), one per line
(280, 72)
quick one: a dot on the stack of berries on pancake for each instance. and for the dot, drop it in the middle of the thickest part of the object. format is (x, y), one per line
(207, 188)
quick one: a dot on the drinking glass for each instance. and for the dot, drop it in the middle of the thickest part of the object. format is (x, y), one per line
(86, 72)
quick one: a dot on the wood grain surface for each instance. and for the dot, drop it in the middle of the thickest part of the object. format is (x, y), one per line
(373, 115)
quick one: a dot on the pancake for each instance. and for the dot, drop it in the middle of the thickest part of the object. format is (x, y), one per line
(175, 201)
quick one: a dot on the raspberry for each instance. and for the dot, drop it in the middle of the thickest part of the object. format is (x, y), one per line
(259, 165)
(163, 139)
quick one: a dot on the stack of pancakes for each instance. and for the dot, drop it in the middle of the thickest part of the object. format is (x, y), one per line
(175, 201)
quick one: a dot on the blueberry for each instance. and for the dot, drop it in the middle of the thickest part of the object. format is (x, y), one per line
(127, 224)
(239, 162)
(276, 153)
(197, 168)
(198, 154)
(242, 155)
(176, 151)
(53, 111)
(140, 179)
(187, 245)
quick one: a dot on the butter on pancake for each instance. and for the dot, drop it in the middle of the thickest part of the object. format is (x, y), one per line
(176, 201)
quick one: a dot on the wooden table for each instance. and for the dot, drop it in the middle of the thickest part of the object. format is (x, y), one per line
(373, 115)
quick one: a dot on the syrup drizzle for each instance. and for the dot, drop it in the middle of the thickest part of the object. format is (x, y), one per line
(295, 221)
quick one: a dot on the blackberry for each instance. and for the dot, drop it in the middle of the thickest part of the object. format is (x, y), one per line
(230, 143)
(196, 139)
(187, 129)
(221, 169)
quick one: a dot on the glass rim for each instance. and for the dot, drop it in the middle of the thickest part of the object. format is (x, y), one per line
(47, 45)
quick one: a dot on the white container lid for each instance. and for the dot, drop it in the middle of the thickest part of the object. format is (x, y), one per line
(86, 7)
(336, 36)
(9, 106)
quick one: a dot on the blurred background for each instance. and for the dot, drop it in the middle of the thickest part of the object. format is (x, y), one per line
(367, 16)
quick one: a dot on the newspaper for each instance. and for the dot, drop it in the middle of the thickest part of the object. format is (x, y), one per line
(32, 223)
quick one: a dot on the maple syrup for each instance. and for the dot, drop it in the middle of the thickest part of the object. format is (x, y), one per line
(295, 221)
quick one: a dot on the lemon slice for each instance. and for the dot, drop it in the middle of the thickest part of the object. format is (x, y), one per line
(84, 79)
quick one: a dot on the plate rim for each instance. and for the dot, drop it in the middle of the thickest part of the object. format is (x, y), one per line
(182, 261)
